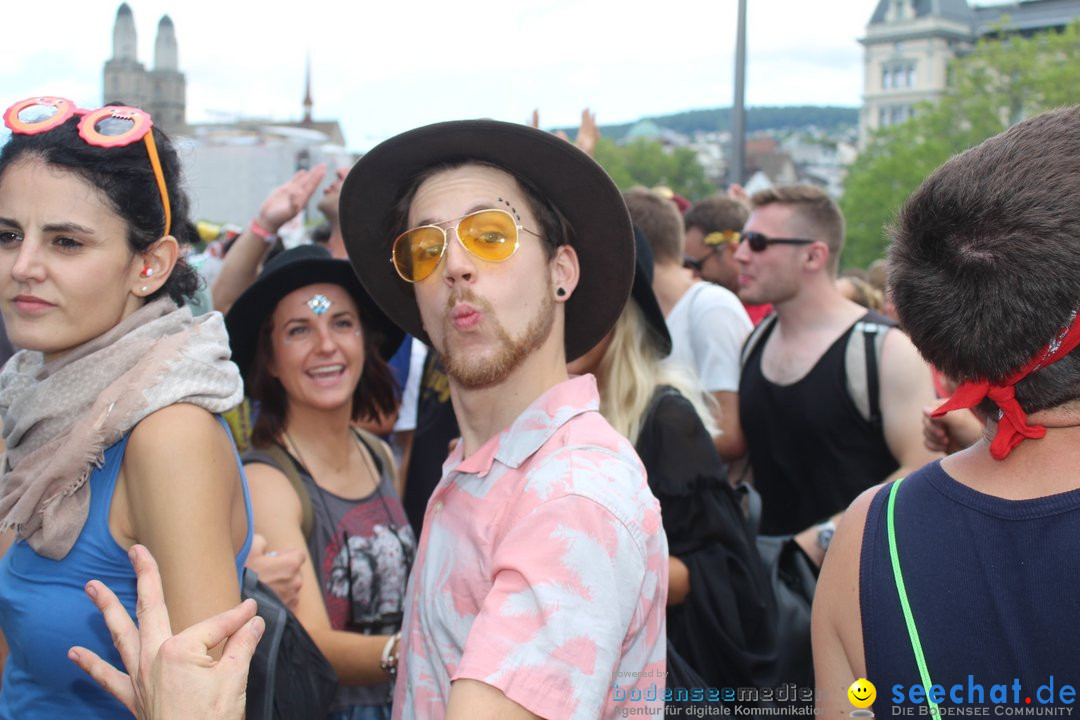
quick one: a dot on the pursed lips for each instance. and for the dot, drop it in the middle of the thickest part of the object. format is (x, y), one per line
(464, 316)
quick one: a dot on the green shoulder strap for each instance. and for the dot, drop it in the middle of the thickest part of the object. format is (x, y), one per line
(286, 465)
(909, 619)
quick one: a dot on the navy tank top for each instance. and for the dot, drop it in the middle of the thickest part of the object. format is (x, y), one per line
(811, 450)
(994, 588)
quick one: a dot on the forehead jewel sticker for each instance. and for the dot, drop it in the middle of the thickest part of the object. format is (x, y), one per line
(319, 304)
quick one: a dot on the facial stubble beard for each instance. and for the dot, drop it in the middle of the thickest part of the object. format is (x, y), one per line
(473, 373)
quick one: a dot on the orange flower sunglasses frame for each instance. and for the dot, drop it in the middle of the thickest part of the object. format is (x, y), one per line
(114, 126)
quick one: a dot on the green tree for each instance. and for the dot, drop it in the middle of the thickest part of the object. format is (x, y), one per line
(1005, 79)
(648, 163)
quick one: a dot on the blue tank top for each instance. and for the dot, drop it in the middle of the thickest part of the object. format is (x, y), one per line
(44, 610)
(993, 585)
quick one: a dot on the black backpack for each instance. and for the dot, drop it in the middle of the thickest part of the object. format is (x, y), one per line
(289, 678)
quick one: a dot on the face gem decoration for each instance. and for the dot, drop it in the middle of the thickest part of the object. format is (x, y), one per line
(319, 304)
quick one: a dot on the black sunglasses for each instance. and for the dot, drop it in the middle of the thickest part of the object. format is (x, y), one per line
(758, 242)
(696, 264)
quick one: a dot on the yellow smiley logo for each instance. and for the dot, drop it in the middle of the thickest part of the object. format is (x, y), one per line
(862, 693)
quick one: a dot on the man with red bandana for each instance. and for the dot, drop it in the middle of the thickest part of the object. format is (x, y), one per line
(957, 586)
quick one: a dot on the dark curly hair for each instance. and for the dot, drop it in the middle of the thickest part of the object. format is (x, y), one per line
(125, 178)
(985, 258)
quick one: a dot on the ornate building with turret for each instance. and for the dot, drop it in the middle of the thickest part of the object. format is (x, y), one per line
(909, 44)
(161, 91)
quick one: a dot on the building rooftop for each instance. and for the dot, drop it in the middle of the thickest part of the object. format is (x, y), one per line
(949, 9)
(1027, 15)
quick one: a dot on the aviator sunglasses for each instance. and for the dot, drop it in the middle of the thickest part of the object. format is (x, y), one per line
(490, 235)
(115, 126)
(758, 242)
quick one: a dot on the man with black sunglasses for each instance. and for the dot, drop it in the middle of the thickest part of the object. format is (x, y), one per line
(816, 436)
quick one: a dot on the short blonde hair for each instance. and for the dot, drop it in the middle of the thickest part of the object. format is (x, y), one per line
(816, 215)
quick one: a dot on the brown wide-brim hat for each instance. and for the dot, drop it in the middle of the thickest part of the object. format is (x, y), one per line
(570, 180)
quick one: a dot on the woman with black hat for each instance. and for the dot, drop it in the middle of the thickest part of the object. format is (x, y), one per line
(719, 602)
(310, 344)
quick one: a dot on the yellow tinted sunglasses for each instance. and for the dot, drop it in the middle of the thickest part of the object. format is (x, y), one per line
(490, 235)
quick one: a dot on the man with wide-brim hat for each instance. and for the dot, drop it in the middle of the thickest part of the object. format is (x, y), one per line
(540, 583)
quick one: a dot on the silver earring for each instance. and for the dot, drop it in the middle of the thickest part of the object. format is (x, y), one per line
(143, 288)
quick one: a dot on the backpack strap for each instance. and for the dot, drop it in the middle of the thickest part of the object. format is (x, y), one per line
(379, 451)
(861, 360)
(276, 457)
(759, 333)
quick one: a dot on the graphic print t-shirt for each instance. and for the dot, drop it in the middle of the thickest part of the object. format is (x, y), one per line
(368, 544)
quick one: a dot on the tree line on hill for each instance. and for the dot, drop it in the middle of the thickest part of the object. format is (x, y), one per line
(830, 118)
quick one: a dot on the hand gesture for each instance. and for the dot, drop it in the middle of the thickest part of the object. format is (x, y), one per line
(738, 193)
(278, 569)
(172, 677)
(588, 133)
(286, 201)
(951, 432)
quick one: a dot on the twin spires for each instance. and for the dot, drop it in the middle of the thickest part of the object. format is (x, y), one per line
(125, 43)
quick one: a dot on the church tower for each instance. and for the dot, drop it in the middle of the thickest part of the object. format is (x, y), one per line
(308, 102)
(162, 92)
(125, 77)
(168, 85)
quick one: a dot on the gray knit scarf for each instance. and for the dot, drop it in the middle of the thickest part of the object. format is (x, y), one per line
(60, 417)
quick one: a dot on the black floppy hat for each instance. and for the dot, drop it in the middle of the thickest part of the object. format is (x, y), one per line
(644, 295)
(569, 179)
(291, 270)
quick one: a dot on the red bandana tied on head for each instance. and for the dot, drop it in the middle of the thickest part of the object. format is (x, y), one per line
(1013, 427)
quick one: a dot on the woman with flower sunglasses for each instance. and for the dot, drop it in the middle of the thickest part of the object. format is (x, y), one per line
(311, 344)
(111, 410)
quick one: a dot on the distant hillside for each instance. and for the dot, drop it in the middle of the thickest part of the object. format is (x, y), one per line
(757, 118)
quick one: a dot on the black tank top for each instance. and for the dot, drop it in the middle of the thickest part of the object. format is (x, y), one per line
(811, 450)
(994, 587)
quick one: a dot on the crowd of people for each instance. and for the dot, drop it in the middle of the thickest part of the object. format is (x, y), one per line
(494, 438)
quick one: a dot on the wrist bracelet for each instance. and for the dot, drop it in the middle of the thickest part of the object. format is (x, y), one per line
(262, 233)
(826, 530)
(389, 660)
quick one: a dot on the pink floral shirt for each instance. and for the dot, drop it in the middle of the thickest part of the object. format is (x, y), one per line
(542, 570)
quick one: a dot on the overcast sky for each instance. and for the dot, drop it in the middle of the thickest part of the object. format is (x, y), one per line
(384, 67)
